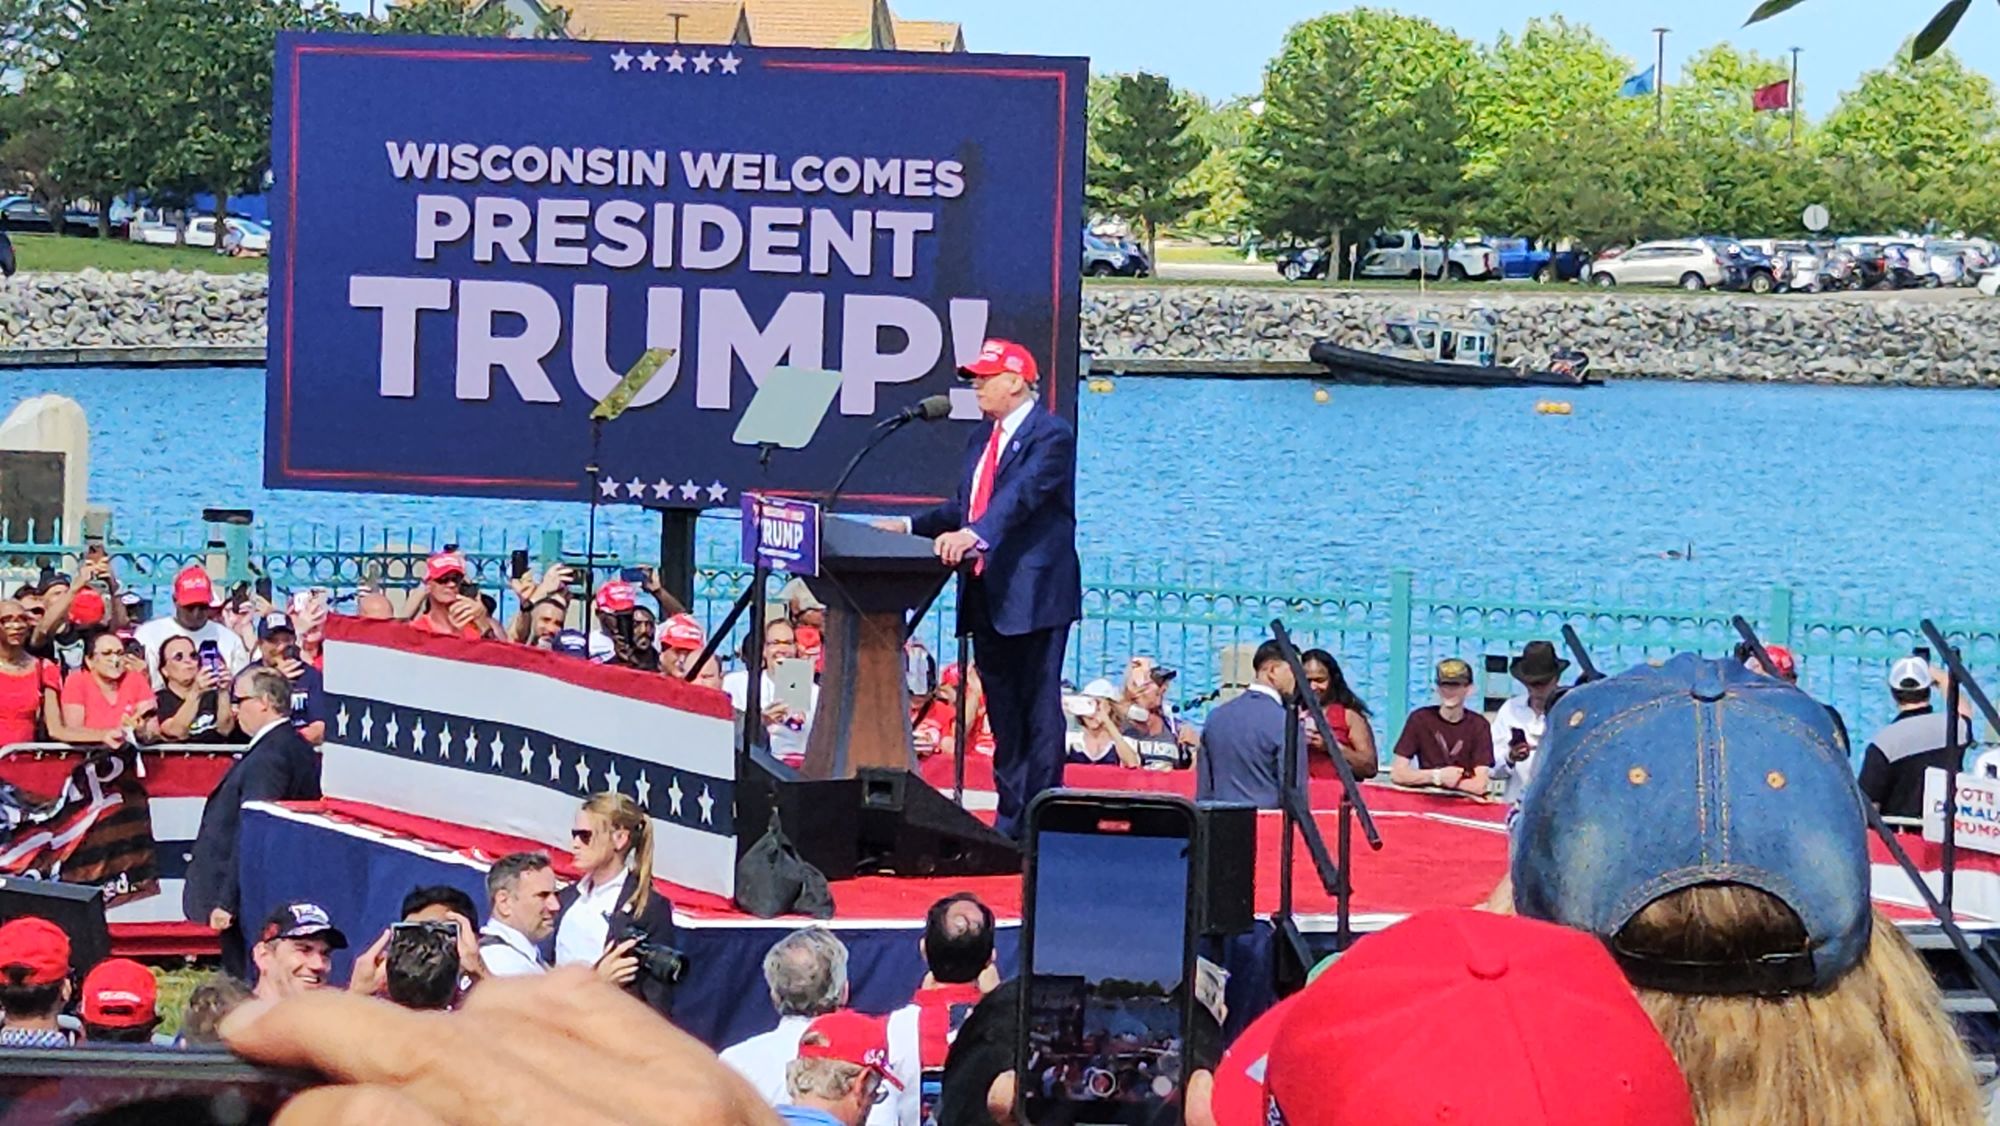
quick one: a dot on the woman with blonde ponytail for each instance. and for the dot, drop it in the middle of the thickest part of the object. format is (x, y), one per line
(613, 902)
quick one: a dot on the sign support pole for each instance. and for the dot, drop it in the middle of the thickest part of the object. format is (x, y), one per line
(677, 569)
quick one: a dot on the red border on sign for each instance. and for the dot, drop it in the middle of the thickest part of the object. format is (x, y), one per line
(652, 687)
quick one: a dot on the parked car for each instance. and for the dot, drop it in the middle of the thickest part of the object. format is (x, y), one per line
(1300, 263)
(256, 236)
(1407, 254)
(1690, 264)
(19, 213)
(1105, 257)
(1522, 258)
(1973, 256)
(1743, 266)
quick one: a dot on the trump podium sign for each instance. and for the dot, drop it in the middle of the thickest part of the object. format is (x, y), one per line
(474, 239)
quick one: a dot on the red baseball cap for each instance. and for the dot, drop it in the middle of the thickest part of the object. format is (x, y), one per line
(193, 588)
(442, 564)
(37, 944)
(853, 1038)
(1557, 1034)
(997, 356)
(86, 608)
(120, 993)
(684, 633)
(617, 597)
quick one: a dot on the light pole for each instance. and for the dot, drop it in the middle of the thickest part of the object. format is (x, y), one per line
(677, 17)
(1660, 78)
(1792, 96)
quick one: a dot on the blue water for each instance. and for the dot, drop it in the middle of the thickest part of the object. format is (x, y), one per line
(1871, 492)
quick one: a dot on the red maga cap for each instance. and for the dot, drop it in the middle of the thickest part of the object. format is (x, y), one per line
(193, 588)
(617, 597)
(38, 945)
(682, 632)
(442, 564)
(850, 1037)
(996, 356)
(119, 993)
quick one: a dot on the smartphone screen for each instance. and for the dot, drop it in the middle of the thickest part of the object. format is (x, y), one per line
(517, 563)
(1106, 1020)
(792, 680)
(210, 656)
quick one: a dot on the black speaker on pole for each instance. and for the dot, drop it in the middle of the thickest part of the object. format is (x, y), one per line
(822, 819)
(912, 830)
(1225, 868)
(77, 908)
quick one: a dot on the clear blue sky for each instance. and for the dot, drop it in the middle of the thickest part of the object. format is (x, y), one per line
(1219, 47)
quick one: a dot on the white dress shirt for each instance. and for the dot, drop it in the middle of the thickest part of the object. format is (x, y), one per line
(762, 1060)
(1516, 712)
(580, 937)
(513, 955)
(785, 742)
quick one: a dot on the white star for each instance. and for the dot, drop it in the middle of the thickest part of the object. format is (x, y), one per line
(645, 788)
(418, 737)
(661, 489)
(635, 488)
(555, 766)
(582, 774)
(707, 805)
(340, 722)
(527, 756)
(717, 491)
(730, 62)
(702, 62)
(677, 62)
(690, 490)
(608, 488)
(649, 61)
(621, 60)
(498, 752)
(471, 744)
(674, 795)
(611, 778)
(444, 742)
(368, 725)
(392, 729)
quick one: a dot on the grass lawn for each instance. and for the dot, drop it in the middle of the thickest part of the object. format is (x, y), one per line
(47, 253)
(1472, 288)
(1200, 252)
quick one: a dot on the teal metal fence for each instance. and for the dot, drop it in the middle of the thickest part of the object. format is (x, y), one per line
(1387, 630)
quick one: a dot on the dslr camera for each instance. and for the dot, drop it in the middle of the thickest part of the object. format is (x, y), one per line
(663, 964)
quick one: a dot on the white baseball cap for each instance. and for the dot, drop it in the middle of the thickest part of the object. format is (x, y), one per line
(1910, 674)
(1101, 689)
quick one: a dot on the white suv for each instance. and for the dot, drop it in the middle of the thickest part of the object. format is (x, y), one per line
(1401, 254)
(1690, 265)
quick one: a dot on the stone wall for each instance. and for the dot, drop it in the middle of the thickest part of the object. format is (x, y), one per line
(1933, 338)
(1929, 337)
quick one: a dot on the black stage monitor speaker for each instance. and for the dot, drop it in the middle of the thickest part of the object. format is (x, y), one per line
(77, 908)
(1225, 868)
(912, 830)
(822, 819)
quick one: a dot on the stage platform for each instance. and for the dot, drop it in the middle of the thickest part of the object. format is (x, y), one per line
(1438, 850)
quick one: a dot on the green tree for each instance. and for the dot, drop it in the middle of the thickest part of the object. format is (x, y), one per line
(1218, 179)
(1554, 71)
(1345, 143)
(1929, 127)
(466, 17)
(1597, 179)
(1713, 98)
(1147, 150)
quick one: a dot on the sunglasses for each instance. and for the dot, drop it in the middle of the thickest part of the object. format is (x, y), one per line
(582, 836)
(456, 582)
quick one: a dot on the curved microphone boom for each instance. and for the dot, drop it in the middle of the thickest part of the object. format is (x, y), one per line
(928, 409)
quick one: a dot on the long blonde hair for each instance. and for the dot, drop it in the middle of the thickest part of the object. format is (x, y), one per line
(621, 812)
(1877, 1048)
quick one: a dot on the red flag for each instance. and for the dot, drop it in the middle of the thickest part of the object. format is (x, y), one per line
(1778, 95)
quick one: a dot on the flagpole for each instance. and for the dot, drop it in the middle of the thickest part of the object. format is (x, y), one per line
(1792, 96)
(1660, 78)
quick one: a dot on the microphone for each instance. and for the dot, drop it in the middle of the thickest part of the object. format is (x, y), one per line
(929, 409)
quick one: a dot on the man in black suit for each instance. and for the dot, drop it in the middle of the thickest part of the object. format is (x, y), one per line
(1243, 745)
(1014, 516)
(277, 766)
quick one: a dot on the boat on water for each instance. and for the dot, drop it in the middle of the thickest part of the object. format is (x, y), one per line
(1433, 351)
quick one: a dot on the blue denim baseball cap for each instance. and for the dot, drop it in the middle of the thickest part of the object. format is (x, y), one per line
(1696, 772)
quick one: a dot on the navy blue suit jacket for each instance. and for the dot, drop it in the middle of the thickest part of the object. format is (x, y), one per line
(1243, 752)
(280, 767)
(1032, 579)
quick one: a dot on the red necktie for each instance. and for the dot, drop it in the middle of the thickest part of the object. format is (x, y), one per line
(989, 467)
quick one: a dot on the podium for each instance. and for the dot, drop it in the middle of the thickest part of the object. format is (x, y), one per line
(870, 580)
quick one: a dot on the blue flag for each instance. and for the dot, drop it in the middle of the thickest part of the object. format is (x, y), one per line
(1638, 86)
